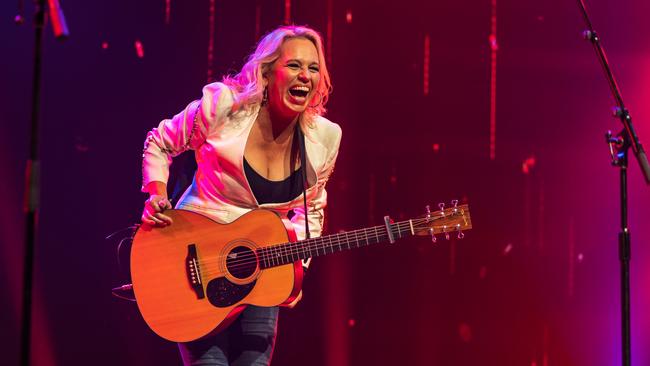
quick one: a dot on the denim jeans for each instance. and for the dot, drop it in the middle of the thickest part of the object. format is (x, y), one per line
(247, 341)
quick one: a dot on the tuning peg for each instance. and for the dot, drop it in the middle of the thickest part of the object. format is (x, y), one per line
(454, 203)
(428, 209)
(444, 230)
(460, 232)
(433, 236)
(441, 205)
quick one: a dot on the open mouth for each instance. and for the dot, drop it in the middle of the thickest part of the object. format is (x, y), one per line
(299, 91)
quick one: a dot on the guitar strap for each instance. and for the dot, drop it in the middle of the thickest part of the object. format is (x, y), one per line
(303, 161)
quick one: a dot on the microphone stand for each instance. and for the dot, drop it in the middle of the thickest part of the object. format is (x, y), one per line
(618, 147)
(32, 169)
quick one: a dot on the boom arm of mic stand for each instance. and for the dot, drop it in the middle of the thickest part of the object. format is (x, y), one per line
(621, 111)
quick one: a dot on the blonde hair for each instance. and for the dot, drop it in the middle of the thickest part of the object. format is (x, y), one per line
(248, 86)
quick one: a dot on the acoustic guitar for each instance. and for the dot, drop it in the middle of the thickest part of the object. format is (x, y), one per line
(192, 278)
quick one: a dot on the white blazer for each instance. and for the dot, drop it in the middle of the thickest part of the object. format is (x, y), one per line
(220, 189)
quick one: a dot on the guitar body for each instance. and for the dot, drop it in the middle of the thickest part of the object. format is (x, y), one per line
(192, 278)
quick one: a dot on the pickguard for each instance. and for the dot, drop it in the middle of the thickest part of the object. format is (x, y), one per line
(223, 293)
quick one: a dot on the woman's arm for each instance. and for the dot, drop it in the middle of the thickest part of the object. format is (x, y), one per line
(186, 130)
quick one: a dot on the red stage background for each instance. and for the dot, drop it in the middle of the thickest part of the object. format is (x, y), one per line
(434, 106)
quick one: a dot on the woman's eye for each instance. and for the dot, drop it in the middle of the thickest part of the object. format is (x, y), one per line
(314, 69)
(293, 66)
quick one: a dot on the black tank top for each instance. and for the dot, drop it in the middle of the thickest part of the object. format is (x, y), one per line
(271, 191)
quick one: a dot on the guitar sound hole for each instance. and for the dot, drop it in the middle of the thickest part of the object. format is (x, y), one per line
(241, 262)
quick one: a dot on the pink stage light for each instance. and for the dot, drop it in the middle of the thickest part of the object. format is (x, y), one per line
(528, 165)
(211, 17)
(168, 7)
(139, 48)
(493, 79)
(287, 12)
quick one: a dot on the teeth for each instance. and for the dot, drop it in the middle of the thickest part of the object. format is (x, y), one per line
(303, 88)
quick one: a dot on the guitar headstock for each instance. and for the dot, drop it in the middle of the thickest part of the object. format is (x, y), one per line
(444, 221)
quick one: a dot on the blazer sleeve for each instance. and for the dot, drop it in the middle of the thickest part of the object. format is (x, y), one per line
(186, 130)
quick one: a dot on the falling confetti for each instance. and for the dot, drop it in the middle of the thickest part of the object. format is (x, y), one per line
(348, 16)
(507, 249)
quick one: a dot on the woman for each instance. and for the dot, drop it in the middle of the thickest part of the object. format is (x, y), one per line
(245, 133)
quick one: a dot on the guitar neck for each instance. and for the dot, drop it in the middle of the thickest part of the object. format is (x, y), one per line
(285, 253)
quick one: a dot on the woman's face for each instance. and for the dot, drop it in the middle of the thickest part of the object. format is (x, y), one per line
(294, 77)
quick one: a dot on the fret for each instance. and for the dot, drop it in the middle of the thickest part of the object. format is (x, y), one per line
(330, 237)
(300, 250)
(376, 235)
(278, 255)
(356, 238)
(290, 252)
(267, 258)
(284, 256)
(275, 256)
(399, 232)
(320, 248)
(308, 252)
(366, 235)
(320, 243)
(313, 243)
(303, 250)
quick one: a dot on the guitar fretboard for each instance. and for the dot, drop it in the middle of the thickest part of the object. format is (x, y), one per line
(285, 253)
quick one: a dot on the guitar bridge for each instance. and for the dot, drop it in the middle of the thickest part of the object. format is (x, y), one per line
(194, 272)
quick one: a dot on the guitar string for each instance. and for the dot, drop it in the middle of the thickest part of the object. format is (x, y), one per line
(318, 243)
(299, 247)
(213, 273)
(272, 259)
(273, 253)
(277, 254)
